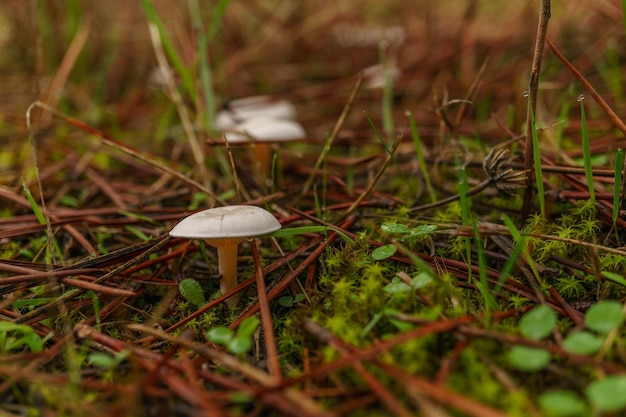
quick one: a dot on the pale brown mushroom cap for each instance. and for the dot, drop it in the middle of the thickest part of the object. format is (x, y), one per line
(238, 221)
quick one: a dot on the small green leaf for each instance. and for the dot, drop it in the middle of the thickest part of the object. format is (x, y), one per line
(289, 301)
(583, 343)
(395, 228)
(191, 291)
(424, 229)
(247, 327)
(286, 301)
(397, 287)
(538, 323)
(384, 252)
(239, 345)
(30, 339)
(240, 397)
(604, 316)
(421, 280)
(607, 394)
(102, 360)
(528, 359)
(220, 335)
(561, 403)
(33, 205)
(617, 278)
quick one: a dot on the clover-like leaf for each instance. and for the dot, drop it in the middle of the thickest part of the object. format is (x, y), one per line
(538, 323)
(561, 403)
(384, 252)
(528, 359)
(607, 394)
(604, 316)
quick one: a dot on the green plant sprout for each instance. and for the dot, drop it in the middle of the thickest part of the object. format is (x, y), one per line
(191, 291)
(602, 395)
(238, 342)
(13, 337)
(290, 300)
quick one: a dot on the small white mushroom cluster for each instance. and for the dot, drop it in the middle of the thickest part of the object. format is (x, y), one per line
(262, 121)
(224, 228)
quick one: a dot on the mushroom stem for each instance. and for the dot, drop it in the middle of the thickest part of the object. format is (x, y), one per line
(263, 153)
(227, 259)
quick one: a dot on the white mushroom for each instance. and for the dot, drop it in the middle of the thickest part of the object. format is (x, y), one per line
(263, 130)
(224, 228)
(243, 109)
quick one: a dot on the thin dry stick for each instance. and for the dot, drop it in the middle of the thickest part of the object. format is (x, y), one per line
(374, 180)
(58, 302)
(110, 141)
(196, 148)
(51, 95)
(266, 316)
(308, 406)
(603, 104)
(333, 135)
(542, 28)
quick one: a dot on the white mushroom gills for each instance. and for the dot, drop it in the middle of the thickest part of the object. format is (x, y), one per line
(224, 228)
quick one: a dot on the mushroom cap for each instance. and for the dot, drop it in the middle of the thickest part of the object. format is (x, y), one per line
(247, 108)
(265, 128)
(236, 221)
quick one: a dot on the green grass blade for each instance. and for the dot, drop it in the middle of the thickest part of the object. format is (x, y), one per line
(206, 77)
(217, 17)
(417, 141)
(33, 205)
(292, 231)
(586, 152)
(520, 244)
(170, 50)
(388, 150)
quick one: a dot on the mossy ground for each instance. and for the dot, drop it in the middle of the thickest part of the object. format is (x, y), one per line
(396, 309)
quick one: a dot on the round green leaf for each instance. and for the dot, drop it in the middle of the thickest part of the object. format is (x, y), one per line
(384, 252)
(538, 323)
(528, 359)
(395, 228)
(421, 280)
(583, 343)
(561, 403)
(191, 291)
(286, 301)
(608, 394)
(604, 316)
(102, 360)
(220, 335)
(239, 345)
